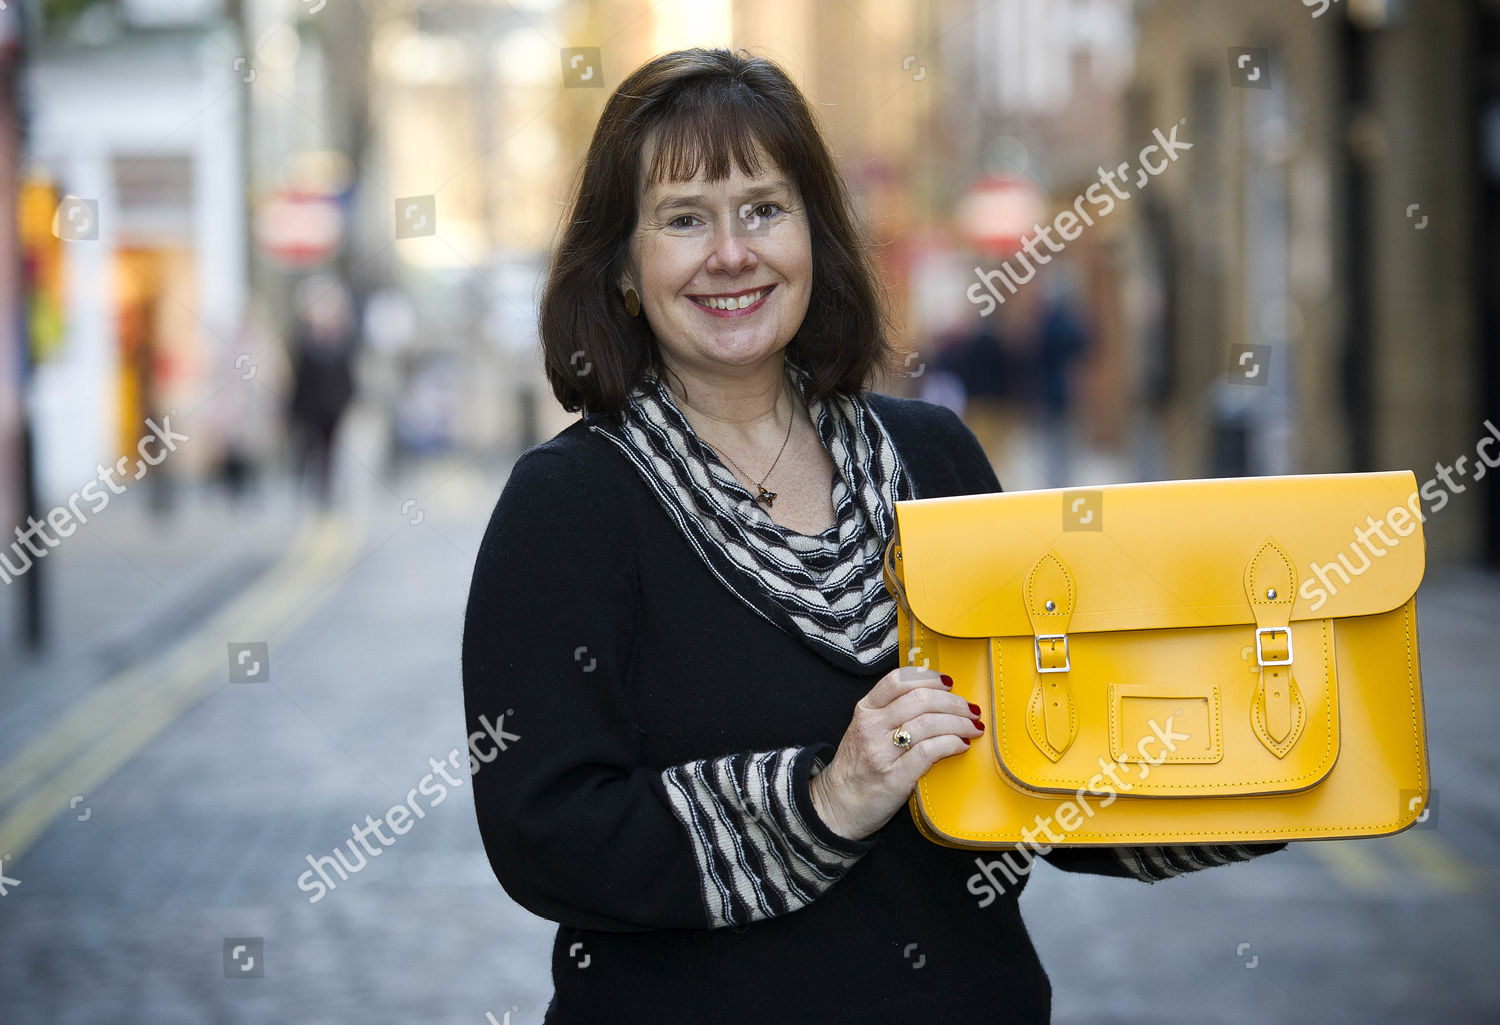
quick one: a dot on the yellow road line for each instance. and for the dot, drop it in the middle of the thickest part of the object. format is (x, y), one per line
(1353, 864)
(1436, 860)
(97, 713)
(110, 727)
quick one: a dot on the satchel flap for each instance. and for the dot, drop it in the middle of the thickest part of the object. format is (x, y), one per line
(1165, 554)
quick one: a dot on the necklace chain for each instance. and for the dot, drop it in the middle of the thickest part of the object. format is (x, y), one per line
(765, 496)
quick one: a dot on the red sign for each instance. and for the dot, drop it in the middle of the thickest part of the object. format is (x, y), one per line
(997, 212)
(298, 230)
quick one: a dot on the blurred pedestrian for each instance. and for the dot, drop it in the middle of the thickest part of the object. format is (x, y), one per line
(324, 341)
(1062, 341)
(942, 379)
(677, 619)
(988, 373)
(244, 415)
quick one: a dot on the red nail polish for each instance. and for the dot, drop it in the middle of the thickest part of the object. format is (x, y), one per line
(979, 725)
(973, 708)
(965, 740)
(947, 680)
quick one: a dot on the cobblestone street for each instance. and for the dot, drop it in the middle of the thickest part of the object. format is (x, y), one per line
(160, 817)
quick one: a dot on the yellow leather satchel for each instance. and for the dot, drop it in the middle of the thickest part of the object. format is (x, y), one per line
(1202, 661)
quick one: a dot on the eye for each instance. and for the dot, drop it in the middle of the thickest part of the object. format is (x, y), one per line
(682, 221)
(766, 209)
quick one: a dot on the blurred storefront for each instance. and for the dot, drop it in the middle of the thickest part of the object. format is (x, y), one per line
(1328, 227)
(137, 131)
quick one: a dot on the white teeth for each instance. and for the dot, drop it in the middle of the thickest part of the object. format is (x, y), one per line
(734, 303)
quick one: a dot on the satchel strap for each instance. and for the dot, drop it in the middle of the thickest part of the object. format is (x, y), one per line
(1277, 712)
(1050, 595)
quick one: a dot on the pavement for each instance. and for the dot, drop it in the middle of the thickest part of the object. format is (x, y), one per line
(156, 818)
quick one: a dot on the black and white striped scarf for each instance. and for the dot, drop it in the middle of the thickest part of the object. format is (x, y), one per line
(828, 588)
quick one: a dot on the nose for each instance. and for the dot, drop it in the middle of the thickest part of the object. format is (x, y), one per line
(730, 253)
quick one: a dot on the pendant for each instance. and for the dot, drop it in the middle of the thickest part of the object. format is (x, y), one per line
(765, 496)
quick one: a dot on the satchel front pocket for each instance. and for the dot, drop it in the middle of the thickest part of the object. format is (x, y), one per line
(1162, 713)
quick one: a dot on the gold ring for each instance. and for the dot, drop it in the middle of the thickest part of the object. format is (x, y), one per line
(901, 738)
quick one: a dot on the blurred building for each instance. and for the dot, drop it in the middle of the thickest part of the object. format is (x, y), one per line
(882, 93)
(910, 97)
(1034, 96)
(13, 356)
(135, 111)
(470, 101)
(1328, 228)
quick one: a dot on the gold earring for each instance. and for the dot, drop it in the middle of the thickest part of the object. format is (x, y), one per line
(632, 302)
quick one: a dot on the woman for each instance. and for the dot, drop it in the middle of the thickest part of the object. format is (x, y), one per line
(679, 610)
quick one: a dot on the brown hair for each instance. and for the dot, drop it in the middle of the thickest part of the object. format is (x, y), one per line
(703, 108)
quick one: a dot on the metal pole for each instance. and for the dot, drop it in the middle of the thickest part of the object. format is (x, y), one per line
(33, 585)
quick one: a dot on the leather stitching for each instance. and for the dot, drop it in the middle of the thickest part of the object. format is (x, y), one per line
(1036, 724)
(933, 832)
(1067, 578)
(1319, 770)
(1072, 718)
(1115, 731)
(1416, 736)
(1135, 835)
(1291, 575)
(997, 671)
(1037, 707)
(1279, 748)
(1259, 712)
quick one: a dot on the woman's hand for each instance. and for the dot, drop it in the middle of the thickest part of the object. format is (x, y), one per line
(869, 777)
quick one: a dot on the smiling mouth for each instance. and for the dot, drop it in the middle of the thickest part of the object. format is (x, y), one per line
(738, 301)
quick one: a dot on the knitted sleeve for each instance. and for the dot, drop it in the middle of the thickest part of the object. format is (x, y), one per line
(577, 827)
(761, 849)
(1152, 864)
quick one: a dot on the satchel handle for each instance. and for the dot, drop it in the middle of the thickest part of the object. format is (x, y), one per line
(898, 591)
(892, 581)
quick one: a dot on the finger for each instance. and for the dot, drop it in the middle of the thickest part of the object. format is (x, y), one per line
(901, 681)
(921, 757)
(937, 724)
(920, 700)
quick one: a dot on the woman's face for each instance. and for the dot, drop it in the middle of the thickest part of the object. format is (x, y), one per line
(724, 269)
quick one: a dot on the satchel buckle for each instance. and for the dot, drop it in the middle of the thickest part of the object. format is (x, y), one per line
(1260, 656)
(1036, 647)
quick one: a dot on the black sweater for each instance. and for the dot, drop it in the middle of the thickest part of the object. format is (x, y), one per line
(655, 802)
